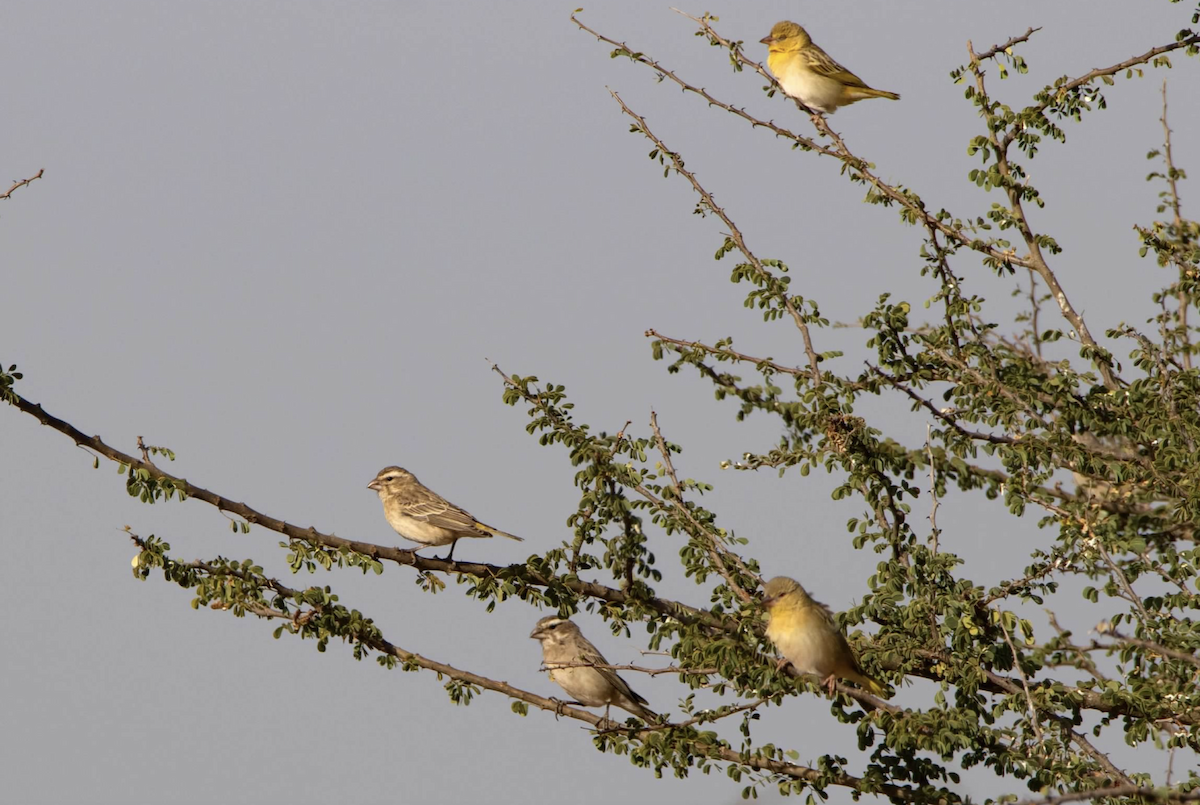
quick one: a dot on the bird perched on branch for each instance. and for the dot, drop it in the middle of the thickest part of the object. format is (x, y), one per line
(805, 633)
(807, 73)
(569, 658)
(422, 515)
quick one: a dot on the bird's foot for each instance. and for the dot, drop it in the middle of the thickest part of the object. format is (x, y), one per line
(829, 683)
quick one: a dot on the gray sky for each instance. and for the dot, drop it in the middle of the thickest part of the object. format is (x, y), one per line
(284, 239)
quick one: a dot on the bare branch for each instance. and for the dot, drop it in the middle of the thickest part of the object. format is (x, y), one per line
(1016, 40)
(21, 183)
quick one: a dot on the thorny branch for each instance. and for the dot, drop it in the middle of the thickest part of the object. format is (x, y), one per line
(715, 550)
(735, 234)
(933, 409)
(1063, 89)
(1036, 260)
(842, 153)
(933, 528)
(21, 183)
(704, 748)
(1003, 48)
(1033, 712)
(1176, 205)
(400, 556)
(728, 353)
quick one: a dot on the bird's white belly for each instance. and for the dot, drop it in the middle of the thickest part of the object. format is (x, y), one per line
(422, 531)
(814, 91)
(584, 685)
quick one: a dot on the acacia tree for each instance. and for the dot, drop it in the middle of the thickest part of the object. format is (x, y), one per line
(1013, 407)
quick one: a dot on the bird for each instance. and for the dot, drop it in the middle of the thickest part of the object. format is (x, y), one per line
(805, 633)
(563, 645)
(421, 515)
(807, 73)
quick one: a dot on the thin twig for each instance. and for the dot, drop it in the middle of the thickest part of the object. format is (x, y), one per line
(145, 451)
(735, 234)
(794, 371)
(715, 550)
(1037, 260)
(933, 529)
(1035, 310)
(18, 183)
(933, 409)
(1177, 209)
(1131, 596)
(995, 50)
(1150, 645)
(1033, 711)
(671, 669)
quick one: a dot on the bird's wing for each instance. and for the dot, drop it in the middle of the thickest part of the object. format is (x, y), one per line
(591, 654)
(823, 64)
(835, 642)
(438, 511)
(823, 612)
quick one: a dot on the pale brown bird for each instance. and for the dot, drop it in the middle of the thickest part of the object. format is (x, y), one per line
(566, 654)
(805, 633)
(807, 73)
(421, 515)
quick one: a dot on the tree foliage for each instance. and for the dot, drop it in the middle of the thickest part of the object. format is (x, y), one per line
(1102, 448)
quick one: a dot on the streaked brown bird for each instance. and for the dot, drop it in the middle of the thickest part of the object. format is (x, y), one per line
(566, 654)
(421, 515)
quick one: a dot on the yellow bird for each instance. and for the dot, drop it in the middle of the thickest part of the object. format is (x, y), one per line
(807, 73)
(805, 633)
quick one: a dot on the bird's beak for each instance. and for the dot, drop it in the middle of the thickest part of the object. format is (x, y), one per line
(374, 485)
(536, 634)
(767, 40)
(770, 602)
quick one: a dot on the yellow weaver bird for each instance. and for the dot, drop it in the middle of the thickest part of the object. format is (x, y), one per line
(807, 73)
(805, 633)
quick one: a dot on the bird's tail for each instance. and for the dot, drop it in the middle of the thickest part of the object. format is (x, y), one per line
(647, 715)
(638, 707)
(870, 685)
(498, 533)
(870, 92)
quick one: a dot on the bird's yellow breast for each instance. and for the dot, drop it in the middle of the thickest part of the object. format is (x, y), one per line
(805, 636)
(799, 80)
